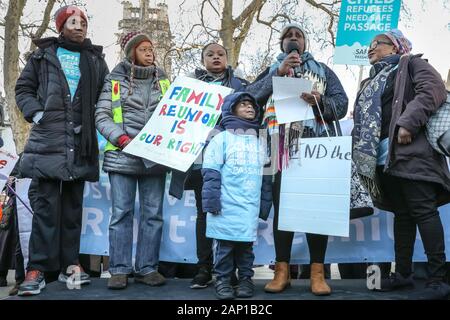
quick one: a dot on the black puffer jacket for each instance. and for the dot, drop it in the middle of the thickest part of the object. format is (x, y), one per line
(54, 144)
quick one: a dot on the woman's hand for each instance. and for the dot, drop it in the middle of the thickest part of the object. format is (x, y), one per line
(291, 61)
(123, 141)
(404, 136)
(309, 97)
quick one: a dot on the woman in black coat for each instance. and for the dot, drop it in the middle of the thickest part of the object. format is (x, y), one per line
(57, 91)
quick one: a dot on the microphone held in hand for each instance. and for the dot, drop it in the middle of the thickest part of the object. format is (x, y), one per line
(293, 47)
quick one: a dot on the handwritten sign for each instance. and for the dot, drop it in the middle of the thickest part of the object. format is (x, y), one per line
(315, 188)
(176, 133)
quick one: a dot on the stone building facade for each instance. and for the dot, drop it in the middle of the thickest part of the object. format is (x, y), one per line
(154, 22)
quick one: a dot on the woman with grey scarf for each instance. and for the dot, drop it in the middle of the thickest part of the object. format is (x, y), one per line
(328, 94)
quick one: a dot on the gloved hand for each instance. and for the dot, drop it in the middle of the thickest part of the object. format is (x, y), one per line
(123, 141)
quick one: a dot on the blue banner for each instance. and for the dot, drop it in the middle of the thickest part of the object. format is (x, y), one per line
(371, 238)
(359, 22)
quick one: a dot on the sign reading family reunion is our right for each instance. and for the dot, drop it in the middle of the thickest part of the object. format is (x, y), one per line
(176, 133)
(359, 22)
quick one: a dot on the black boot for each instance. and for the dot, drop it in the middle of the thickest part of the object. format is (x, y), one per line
(224, 290)
(245, 288)
(202, 279)
(395, 282)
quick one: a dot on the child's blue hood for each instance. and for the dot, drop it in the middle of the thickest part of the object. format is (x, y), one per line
(231, 121)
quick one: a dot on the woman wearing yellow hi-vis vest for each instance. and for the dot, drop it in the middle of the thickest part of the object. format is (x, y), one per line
(130, 95)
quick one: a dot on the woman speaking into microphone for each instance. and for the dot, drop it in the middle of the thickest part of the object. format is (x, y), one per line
(327, 94)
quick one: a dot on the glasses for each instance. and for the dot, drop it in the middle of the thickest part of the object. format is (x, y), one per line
(374, 44)
(145, 50)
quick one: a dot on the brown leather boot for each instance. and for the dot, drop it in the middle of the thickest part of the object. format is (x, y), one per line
(281, 279)
(319, 287)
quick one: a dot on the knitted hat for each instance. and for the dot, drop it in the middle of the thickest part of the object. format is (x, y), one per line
(131, 40)
(285, 30)
(401, 43)
(63, 13)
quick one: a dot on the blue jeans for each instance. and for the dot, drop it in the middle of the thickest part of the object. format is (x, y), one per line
(123, 193)
(233, 254)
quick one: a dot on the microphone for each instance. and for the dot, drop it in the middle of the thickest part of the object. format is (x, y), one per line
(293, 47)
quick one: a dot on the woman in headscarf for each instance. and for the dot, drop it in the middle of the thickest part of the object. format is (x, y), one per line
(328, 94)
(394, 159)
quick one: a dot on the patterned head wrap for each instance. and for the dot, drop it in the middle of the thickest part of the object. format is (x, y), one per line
(400, 42)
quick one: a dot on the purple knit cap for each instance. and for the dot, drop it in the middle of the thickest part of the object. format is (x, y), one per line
(402, 44)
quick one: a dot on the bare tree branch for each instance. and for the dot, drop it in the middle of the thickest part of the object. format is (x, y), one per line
(202, 18)
(181, 5)
(28, 26)
(274, 18)
(11, 57)
(214, 8)
(191, 32)
(254, 6)
(44, 24)
(46, 19)
(244, 29)
(331, 14)
(330, 4)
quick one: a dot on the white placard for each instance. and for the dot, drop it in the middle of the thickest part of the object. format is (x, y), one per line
(176, 133)
(315, 188)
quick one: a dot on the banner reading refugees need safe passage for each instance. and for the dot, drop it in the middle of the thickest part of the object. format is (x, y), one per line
(176, 133)
(359, 22)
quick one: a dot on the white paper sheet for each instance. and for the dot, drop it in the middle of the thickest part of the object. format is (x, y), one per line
(289, 107)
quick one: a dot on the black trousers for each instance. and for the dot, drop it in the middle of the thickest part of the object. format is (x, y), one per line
(19, 261)
(415, 206)
(204, 244)
(56, 227)
(317, 243)
(10, 249)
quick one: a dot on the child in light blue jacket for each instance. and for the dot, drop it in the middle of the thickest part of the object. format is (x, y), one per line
(234, 194)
